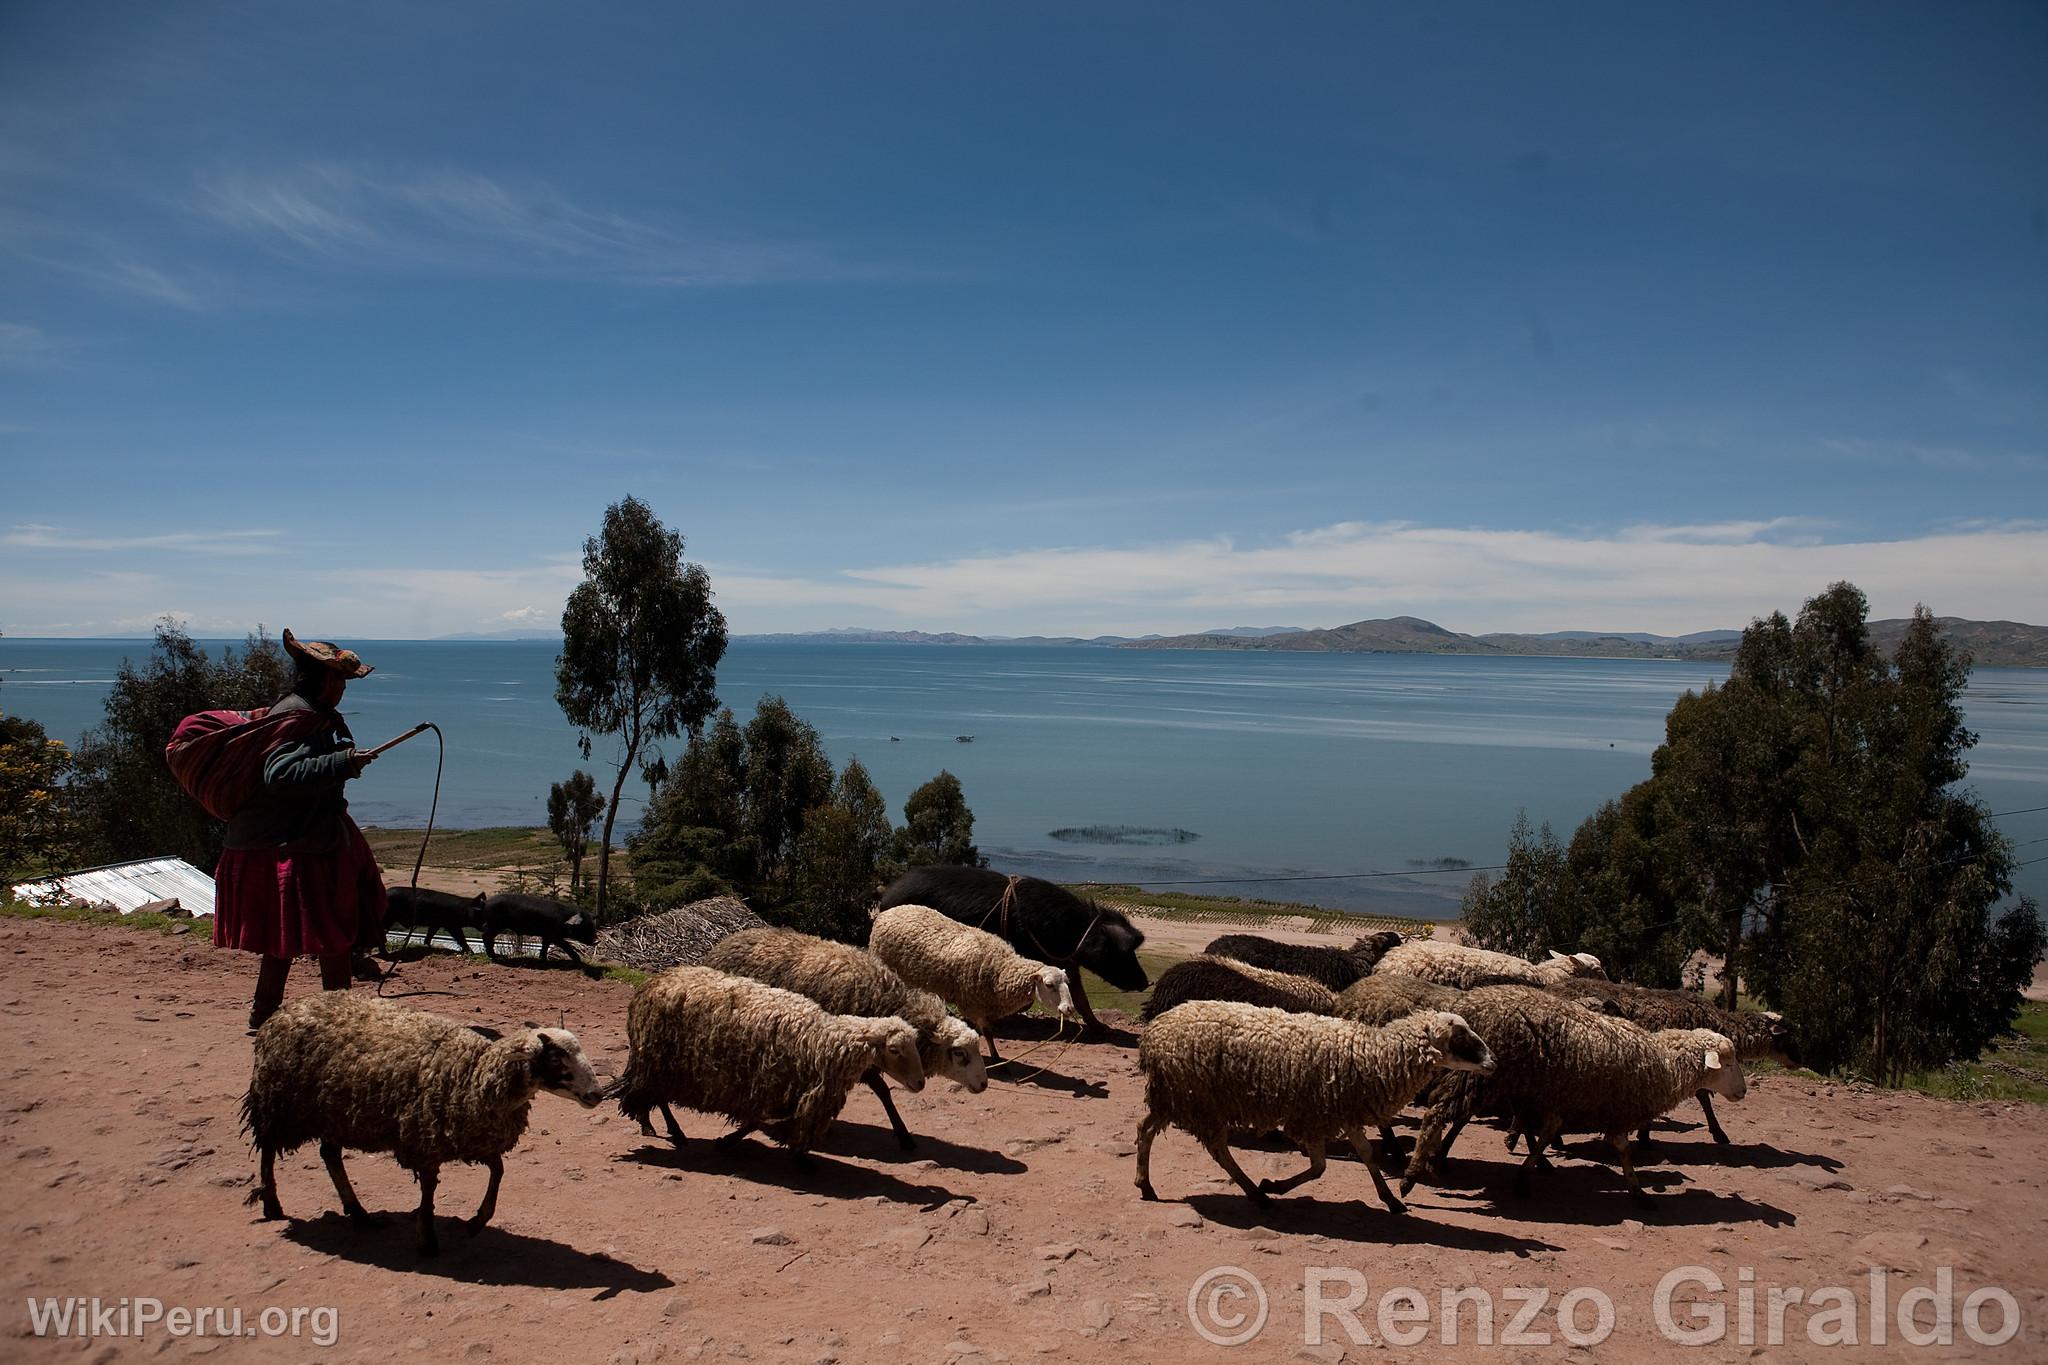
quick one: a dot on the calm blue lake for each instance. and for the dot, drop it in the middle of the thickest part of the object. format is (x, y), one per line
(1281, 764)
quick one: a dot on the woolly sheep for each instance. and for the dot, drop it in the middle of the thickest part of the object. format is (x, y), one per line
(1562, 1068)
(1212, 1066)
(1040, 919)
(979, 974)
(764, 1057)
(1758, 1035)
(1222, 978)
(1462, 966)
(848, 980)
(1383, 997)
(351, 1071)
(1335, 968)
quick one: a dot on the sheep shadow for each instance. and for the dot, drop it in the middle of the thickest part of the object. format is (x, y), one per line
(1758, 1155)
(494, 1256)
(1356, 1220)
(766, 1164)
(877, 1142)
(1022, 1071)
(1593, 1194)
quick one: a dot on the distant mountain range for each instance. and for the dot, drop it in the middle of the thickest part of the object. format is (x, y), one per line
(1997, 644)
(2003, 644)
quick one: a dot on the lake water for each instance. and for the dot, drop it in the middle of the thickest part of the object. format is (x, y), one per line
(1280, 764)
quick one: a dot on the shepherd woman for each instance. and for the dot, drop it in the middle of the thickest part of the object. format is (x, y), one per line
(297, 877)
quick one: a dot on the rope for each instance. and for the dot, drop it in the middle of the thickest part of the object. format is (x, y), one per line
(433, 806)
(1059, 1029)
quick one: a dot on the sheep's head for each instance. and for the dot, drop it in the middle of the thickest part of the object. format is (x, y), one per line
(560, 1067)
(1574, 964)
(1723, 1070)
(1784, 1047)
(895, 1045)
(959, 1055)
(1371, 949)
(1052, 993)
(580, 927)
(1456, 1046)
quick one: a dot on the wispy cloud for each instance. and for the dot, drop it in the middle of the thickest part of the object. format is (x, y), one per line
(41, 536)
(1929, 455)
(1656, 578)
(459, 220)
(22, 345)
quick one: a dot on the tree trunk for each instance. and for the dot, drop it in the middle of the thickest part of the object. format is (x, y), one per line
(611, 813)
(1728, 972)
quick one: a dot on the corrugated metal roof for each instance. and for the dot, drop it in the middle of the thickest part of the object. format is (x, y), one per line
(128, 886)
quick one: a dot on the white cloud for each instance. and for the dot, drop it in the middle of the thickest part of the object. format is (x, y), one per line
(1671, 579)
(462, 221)
(40, 536)
(1667, 579)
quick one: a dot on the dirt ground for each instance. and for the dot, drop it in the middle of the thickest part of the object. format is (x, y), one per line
(1013, 1233)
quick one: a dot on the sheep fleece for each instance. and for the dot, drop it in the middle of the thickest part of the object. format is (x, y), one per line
(843, 979)
(1456, 964)
(756, 1053)
(1556, 1058)
(375, 1077)
(1384, 997)
(1212, 1066)
(1223, 978)
(980, 973)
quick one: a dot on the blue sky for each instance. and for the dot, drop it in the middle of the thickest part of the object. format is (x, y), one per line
(1022, 318)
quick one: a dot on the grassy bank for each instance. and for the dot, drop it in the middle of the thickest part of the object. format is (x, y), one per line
(1195, 909)
(2017, 1070)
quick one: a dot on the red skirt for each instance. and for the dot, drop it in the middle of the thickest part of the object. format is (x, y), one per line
(313, 898)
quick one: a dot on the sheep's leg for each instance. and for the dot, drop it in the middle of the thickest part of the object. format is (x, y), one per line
(267, 1189)
(1219, 1147)
(575, 959)
(1524, 1179)
(1426, 1138)
(330, 1152)
(455, 932)
(1450, 1139)
(1147, 1130)
(1628, 1169)
(668, 1117)
(496, 1166)
(876, 1084)
(1089, 1023)
(1379, 1182)
(1388, 1139)
(1713, 1124)
(430, 1245)
(490, 939)
(981, 1027)
(1315, 1153)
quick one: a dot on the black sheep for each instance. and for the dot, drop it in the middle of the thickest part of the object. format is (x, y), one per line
(553, 922)
(1040, 920)
(1334, 967)
(436, 911)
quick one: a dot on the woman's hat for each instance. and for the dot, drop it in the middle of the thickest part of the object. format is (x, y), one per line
(326, 654)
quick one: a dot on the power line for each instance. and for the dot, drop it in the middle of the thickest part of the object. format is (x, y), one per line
(2030, 810)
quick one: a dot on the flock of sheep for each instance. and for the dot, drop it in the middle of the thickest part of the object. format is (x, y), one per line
(774, 1028)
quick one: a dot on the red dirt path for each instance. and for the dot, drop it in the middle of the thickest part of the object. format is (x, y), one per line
(1013, 1233)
